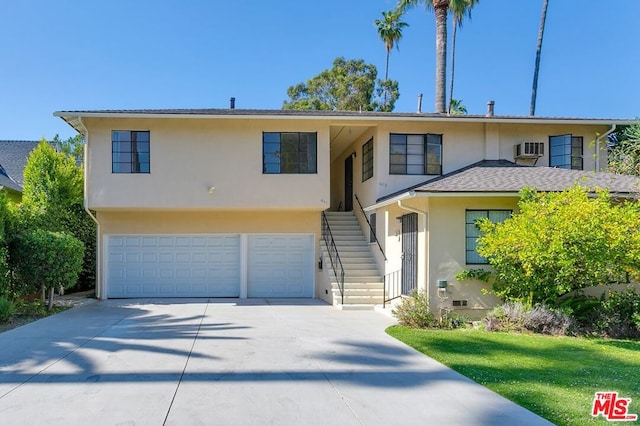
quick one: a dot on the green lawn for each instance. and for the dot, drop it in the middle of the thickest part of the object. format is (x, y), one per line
(555, 377)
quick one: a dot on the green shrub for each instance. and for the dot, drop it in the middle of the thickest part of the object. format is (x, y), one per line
(47, 260)
(6, 310)
(454, 320)
(584, 310)
(414, 312)
(620, 315)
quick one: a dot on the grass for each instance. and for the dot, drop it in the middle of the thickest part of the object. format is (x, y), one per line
(555, 377)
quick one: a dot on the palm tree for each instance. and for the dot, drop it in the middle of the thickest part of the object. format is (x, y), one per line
(456, 107)
(534, 89)
(440, 9)
(390, 31)
(459, 10)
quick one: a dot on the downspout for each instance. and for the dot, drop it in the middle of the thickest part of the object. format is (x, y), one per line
(424, 230)
(598, 139)
(85, 132)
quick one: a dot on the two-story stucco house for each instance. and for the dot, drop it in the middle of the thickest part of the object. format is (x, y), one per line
(316, 204)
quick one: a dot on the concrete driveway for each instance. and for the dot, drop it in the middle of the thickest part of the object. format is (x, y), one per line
(231, 362)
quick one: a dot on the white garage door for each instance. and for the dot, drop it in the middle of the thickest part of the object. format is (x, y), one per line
(173, 266)
(280, 266)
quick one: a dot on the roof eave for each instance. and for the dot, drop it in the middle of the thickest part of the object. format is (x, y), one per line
(71, 116)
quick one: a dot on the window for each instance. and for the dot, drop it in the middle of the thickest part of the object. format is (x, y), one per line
(367, 160)
(130, 151)
(289, 152)
(415, 154)
(565, 152)
(372, 222)
(472, 232)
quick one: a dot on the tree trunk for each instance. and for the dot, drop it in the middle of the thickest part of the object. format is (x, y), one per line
(386, 68)
(386, 77)
(50, 305)
(440, 11)
(534, 89)
(453, 61)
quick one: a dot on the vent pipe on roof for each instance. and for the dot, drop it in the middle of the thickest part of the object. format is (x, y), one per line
(490, 108)
(232, 103)
(419, 110)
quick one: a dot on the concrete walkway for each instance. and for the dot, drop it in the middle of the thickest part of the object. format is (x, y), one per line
(231, 362)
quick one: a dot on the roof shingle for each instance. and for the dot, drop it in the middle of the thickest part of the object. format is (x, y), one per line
(505, 176)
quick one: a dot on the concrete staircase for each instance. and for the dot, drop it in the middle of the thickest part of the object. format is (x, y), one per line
(363, 283)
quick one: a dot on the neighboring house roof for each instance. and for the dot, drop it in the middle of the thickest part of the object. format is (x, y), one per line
(74, 118)
(503, 176)
(13, 159)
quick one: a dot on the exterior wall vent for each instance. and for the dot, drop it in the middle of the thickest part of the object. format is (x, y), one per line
(459, 303)
(528, 150)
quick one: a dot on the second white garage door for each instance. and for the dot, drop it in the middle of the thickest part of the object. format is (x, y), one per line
(280, 265)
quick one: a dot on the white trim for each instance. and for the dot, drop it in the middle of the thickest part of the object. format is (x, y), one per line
(413, 194)
(71, 115)
(244, 265)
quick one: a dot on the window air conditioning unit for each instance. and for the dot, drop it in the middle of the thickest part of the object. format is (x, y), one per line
(528, 150)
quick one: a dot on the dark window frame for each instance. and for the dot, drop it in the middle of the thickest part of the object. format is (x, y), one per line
(399, 159)
(367, 160)
(134, 150)
(272, 163)
(471, 255)
(572, 157)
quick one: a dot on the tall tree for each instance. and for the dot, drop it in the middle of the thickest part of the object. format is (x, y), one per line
(624, 151)
(536, 69)
(350, 85)
(53, 200)
(390, 32)
(440, 10)
(459, 10)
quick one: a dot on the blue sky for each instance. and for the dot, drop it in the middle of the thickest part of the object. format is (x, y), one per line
(119, 54)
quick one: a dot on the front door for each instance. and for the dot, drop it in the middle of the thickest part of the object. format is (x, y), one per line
(409, 252)
(348, 184)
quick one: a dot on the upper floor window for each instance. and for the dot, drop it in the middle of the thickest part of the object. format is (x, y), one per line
(367, 160)
(289, 152)
(565, 152)
(472, 232)
(415, 154)
(130, 151)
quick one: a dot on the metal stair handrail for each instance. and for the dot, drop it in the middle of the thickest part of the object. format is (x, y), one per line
(392, 287)
(373, 231)
(332, 249)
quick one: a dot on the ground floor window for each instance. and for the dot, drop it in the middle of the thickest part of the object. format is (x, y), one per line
(472, 232)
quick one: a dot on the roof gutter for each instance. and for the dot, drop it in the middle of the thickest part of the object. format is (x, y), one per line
(80, 126)
(598, 139)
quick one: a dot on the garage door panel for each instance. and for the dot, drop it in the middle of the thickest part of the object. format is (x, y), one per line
(174, 266)
(280, 265)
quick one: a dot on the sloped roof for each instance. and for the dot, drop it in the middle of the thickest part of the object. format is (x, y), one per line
(13, 159)
(502, 176)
